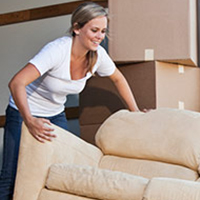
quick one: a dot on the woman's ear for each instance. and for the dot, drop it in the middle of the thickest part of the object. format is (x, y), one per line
(76, 28)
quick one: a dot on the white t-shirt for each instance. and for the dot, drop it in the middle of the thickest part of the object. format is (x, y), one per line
(47, 95)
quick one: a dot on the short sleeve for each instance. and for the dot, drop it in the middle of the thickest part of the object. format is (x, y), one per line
(105, 65)
(47, 58)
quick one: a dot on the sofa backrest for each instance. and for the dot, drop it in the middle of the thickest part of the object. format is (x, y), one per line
(164, 135)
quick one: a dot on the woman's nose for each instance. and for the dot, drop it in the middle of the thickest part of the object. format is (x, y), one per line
(100, 35)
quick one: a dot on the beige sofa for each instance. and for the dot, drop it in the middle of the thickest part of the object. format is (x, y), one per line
(139, 156)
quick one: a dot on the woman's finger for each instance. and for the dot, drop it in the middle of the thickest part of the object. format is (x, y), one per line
(37, 137)
(44, 137)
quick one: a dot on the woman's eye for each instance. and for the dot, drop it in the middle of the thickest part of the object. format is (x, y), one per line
(94, 30)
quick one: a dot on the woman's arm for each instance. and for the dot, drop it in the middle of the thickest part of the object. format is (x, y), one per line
(124, 90)
(17, 87)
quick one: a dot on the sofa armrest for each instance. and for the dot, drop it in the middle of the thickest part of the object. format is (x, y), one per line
(35, 158)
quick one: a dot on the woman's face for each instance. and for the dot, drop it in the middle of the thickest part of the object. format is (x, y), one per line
(92, 33)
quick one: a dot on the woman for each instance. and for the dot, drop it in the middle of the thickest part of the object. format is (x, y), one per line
(39, 90)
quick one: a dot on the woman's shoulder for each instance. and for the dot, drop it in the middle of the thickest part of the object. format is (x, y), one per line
(61, 44)
(62, 41)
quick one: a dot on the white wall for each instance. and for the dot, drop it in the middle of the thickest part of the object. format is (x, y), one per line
(19, 42)
(17, 5)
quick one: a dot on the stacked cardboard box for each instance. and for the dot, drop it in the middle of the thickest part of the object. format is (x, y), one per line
(155, 45)
(153, 30)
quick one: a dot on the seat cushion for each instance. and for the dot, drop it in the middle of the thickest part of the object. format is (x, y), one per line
(172, 189)
(95, 183)
(165, 135)
(147, 168)
(47, 194)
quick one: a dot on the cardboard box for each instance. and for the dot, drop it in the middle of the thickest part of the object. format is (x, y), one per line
(154, 84)
(177, 86)
(88, 132)
(143, 30)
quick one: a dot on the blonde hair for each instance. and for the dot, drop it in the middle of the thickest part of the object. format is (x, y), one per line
(82, 15)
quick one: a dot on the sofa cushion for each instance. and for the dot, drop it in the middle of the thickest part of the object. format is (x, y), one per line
(172, 189)
(147, 168)
(46, 194)
(95, 183)
(166, 135)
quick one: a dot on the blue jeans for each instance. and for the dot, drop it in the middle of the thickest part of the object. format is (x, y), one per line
(12, 134)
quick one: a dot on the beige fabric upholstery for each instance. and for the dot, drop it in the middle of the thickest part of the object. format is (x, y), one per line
(147, 168)
(95, 183)
(35, 159)
(57, 195)
(140, 156)
(172, 189)
(166, 135)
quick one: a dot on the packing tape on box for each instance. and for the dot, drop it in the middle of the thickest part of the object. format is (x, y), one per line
(181, 105)
(149, 54)
(181, 69)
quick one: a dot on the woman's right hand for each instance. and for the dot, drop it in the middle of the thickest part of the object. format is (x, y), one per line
(40, 129)
(36, 126)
